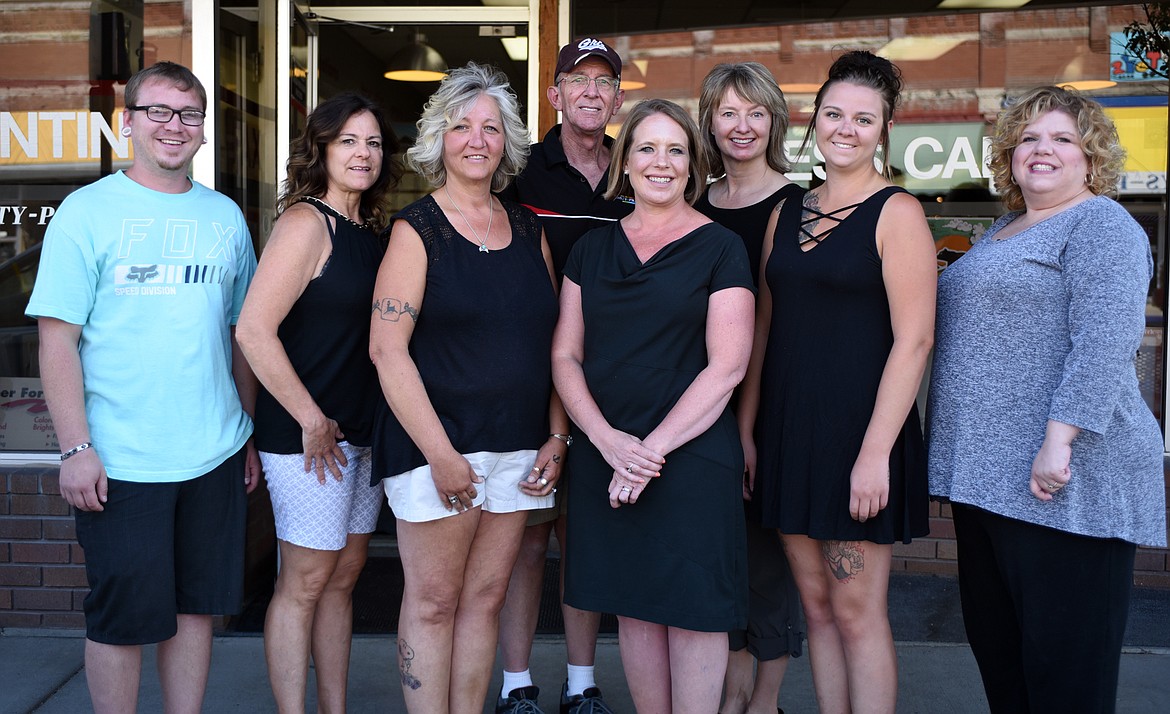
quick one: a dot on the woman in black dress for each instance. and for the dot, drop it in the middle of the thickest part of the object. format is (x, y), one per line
(844, 325)
(654, 334)
(746, 121)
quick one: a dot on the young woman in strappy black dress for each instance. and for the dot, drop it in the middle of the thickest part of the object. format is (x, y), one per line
(845, 321)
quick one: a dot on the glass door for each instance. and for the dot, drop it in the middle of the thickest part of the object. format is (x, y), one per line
(354, 49)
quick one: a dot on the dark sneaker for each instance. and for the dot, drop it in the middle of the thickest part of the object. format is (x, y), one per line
(588, 702)
(520, 701)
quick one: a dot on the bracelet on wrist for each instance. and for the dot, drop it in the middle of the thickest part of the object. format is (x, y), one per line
(77, 450)
(567, 438)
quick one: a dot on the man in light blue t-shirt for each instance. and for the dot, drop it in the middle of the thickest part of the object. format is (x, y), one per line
(141, 280)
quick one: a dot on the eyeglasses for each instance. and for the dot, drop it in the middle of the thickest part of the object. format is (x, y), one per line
(578, 82)
(162, 114)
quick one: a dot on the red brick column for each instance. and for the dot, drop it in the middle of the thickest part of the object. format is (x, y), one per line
(42, 569)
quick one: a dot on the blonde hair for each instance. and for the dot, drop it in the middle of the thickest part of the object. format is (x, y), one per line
(1098, 139)
(751, 81)
(451, 102)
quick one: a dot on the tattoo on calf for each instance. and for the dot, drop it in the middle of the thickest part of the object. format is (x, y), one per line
(845, 558)
(391, 309)
(405, 657)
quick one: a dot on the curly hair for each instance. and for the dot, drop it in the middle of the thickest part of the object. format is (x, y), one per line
(1098, 140)
(753, 82)
(619, 182)
(451, 102)
(308, 174)
(864, 69)
(169, 72)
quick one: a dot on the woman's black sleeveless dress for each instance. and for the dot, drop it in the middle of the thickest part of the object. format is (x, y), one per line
(829, 341)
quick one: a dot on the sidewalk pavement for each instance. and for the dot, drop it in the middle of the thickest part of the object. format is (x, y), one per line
(42, 672)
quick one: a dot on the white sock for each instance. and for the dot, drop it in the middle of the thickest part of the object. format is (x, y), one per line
(515, 680)
(580, 679)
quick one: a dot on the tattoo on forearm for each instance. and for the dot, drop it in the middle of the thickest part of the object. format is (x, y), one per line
(391, 309)
(845, 558)
(405, 657)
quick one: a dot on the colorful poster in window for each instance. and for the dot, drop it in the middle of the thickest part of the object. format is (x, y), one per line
(953, 235)
(1125, 67)
(24, 417)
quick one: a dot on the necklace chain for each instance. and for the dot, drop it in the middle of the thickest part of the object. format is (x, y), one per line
(491, 214)
(344, 217)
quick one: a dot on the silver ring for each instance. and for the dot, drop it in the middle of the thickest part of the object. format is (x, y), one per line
(1053, 486)
(630, 469)
(627, 488)
(453, 499)
(543, 481)
(535, 469)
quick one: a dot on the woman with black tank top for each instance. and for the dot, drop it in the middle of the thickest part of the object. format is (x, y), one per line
(845, 321)
(745, 120)
(304, 328)
(461, 333)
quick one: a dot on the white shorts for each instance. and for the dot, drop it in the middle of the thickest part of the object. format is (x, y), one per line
(319, 515)
(414, 498)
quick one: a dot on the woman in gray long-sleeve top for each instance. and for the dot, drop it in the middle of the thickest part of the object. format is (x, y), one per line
(1038, 436)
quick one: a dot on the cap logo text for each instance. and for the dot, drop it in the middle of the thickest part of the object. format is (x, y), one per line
(589, 44)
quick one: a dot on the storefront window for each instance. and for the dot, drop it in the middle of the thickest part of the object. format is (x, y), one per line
(63, 70)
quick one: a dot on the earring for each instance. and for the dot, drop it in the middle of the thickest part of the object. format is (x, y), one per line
(626, 172)
(204, 140)
(1089, 179)
(125, 131)
(1012, 178)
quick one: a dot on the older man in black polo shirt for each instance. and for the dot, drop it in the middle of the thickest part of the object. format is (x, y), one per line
(564, 183)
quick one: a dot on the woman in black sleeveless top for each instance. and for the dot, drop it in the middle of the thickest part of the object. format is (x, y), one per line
(304, 328)
(844, 325)
(461, 333)
(745, 119)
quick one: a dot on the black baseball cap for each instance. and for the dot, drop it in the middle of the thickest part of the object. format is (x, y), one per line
(573, 53)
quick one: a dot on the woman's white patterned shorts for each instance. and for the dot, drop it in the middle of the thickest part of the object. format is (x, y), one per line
(320, 516)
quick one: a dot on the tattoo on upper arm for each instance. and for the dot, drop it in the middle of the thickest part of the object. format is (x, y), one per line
(391, 309)
(845, 558)
(405, 657)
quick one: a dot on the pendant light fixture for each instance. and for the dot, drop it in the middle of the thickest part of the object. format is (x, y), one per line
(417, 62)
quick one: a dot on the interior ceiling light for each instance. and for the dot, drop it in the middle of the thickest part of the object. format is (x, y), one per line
(1074, 76)
(800, 87)
(634, 74)
(919, 48)
(981, 4)
(516, 47)
(418, 62)
(1088, 85)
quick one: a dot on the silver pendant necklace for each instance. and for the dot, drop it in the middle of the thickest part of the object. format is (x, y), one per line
(326, 204)
(491, 214)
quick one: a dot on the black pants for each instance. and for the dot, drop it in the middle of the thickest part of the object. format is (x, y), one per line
(1045, 612)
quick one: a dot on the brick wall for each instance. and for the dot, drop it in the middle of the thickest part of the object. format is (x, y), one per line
(936, 553)
(42, 568)
(42, 573)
